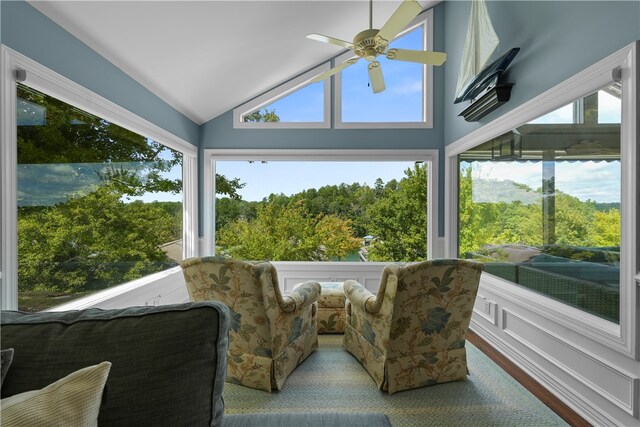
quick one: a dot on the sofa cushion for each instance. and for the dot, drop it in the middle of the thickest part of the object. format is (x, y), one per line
(6, 356)
(71, 401)
(168, 362)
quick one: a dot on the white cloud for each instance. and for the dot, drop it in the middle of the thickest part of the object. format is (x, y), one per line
(599, 181)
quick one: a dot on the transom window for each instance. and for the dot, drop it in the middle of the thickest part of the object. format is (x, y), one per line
(401, 101)
(407, 100)
(295, 104)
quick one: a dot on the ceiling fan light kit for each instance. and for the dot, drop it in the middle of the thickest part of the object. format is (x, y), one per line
(368, 44)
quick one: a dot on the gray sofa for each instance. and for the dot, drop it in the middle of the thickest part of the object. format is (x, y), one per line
(168, 364)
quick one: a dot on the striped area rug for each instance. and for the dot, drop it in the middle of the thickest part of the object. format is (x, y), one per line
(331, 380)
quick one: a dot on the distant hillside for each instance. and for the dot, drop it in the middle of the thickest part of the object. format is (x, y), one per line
(605, 207)
(495, 191)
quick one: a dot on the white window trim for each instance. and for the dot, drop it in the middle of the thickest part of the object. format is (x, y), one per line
(620, 337)
(58, 86)
(425, 20)
(213, 155)
(280, 92)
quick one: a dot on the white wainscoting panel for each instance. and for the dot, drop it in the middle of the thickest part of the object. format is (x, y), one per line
(486, 309)
(615, 385)
(292, 273)
(168, 287)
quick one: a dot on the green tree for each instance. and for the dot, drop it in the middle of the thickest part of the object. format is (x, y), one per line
(287, 233)
(398, 219)
(94, 239)
(91, 242)
(606, 228)
(262, 116)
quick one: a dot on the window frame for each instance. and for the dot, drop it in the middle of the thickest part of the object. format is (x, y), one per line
(620, 337)
(213, 155)
(283, 91)
(425, 20)
(53, 84)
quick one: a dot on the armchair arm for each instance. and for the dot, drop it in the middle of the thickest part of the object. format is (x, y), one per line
(360, 297)
(303, 295)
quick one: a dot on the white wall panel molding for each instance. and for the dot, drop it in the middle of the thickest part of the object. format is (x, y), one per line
(612, 383)
(486, 308)
(563, 391)
(292, 273)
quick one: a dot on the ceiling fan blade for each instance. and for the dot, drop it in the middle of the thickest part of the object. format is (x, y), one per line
(408, 10)
(330, 40)
(376, 77)
(334, 70)
(421, 56)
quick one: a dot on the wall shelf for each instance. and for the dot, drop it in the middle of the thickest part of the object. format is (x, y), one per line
(488, 102)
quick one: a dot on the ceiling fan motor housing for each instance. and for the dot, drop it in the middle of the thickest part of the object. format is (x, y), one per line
(365, 45)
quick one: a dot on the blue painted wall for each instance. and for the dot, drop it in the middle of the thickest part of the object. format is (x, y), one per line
(557, 40)
(29, 32)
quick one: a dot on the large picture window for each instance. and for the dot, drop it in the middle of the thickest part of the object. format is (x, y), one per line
(540, 205)
(98, 205)
(321, 211)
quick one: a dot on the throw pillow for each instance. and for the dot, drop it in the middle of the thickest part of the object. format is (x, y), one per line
(6, 356)
(72, 401)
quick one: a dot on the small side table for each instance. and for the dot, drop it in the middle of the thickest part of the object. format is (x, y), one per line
(331, 314)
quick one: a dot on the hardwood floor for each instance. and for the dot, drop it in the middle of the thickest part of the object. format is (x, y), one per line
(527, 382)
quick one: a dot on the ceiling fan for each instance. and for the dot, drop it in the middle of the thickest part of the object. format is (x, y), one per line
(368, 44)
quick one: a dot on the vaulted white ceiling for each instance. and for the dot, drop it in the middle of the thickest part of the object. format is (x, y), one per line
(207, 57)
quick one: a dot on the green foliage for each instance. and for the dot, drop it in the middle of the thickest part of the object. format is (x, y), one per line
(333, 218)
(398, 219)
(134, 164)
(93, 238)
(577, 223)
(91, 242)
(287, 232)
(262, 116)
(606, 228)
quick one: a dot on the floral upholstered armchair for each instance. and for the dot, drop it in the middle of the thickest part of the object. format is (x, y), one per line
(270, 334)
(412, 333)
